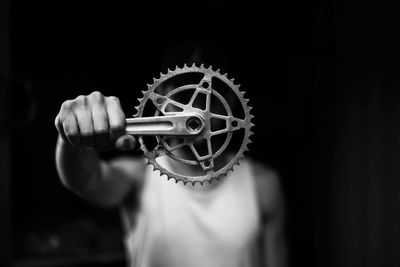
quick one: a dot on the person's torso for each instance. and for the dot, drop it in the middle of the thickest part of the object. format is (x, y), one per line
(179, 225)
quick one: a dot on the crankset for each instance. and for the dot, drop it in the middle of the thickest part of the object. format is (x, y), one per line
(197, 118)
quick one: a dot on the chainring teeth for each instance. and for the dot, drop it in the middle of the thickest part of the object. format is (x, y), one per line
(248, 124)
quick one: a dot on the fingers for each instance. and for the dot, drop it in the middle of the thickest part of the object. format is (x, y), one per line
(60, 127)
(94, 121)
(116, 118)
(67, 125)
(71, 130)
(84, 119)
(100, 121)
(125, 143)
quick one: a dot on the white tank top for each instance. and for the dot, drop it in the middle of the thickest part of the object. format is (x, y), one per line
(179, 225)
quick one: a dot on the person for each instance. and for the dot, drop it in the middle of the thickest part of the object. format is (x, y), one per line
(237, 220)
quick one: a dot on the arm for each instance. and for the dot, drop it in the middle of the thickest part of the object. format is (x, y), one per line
(272, 210)
(274, 242)
(85, 125)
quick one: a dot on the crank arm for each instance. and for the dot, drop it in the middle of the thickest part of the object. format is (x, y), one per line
(190, 124)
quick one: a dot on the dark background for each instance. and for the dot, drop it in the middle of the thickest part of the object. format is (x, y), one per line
(322, 76)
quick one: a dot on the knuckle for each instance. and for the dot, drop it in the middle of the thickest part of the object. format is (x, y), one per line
(66, 105)
(81, 99)
(96, 95)
(113, 99)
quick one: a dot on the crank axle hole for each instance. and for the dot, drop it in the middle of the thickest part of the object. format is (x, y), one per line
(193, 124)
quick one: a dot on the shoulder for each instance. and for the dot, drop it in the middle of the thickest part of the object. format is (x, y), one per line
(268, 189)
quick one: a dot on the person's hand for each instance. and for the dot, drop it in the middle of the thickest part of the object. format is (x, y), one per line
(95, 121)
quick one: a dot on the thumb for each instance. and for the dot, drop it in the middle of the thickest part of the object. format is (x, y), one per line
(125, 143)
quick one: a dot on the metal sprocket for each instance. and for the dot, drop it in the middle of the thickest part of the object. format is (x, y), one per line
(206, 161)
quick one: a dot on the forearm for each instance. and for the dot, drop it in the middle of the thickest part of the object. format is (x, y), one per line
(79, 169)
(82, 171)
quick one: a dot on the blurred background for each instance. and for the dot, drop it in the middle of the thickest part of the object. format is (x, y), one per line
(323, 78)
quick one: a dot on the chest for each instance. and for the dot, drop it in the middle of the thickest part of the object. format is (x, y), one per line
(225, 217)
